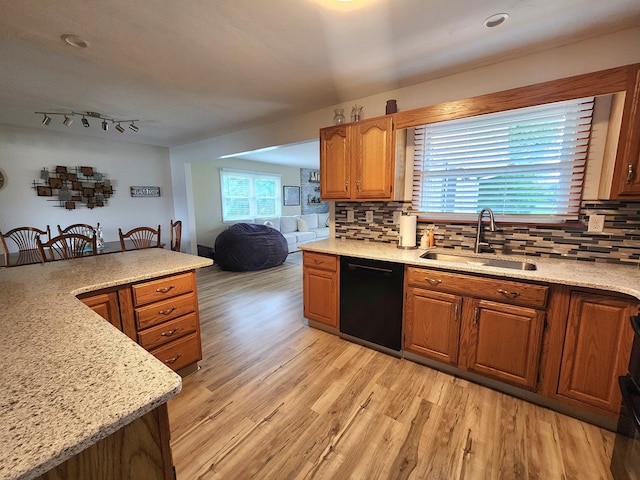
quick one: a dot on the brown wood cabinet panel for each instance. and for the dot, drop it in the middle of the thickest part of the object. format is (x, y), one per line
(432, 324)
(499, 290)
(147, 292)
(320, 261)
(596, 350)
(335, 163)
(321, 296)
(373, 158)
(165, 310)
(106, 305)
(181, 352)
(139, 450)
(505, 342)
(166, 332)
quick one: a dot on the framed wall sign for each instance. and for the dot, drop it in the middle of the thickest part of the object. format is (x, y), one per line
(145, 191)
(291, 196)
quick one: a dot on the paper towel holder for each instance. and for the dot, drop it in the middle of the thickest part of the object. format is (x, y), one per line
(400, 242)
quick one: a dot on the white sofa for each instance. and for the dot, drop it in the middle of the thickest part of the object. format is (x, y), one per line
(298, 229)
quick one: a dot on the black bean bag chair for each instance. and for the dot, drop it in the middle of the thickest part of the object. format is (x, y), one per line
(246, 246)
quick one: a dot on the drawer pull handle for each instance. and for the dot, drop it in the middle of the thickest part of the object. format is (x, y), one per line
(165, 289)
(509, 294)
(318, 262)
(170, 332)
(167, 311)
(433, 281)
(173, 360)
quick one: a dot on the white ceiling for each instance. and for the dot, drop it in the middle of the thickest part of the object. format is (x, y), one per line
(195, 69)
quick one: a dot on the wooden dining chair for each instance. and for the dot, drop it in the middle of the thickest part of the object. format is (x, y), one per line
(24, 238)
(176, 235)
(140, 237)
(66, 246)
(79, 228)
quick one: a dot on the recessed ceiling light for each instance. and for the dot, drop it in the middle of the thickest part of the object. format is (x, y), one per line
(495, 20)
(75, 40)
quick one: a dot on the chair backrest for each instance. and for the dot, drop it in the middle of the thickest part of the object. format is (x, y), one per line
(80, 228)
(140, 237)
(25, 239)
(66, 246)
(176, 235)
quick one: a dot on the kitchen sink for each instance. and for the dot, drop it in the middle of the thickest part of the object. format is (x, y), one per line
(489, 262)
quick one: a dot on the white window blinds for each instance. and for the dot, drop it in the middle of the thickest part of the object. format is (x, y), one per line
(526, 164)
(247, 195)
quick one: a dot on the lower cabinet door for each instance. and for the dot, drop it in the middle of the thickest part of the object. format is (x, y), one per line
(321, 296)
(106, 305)
(505, 342)
(432, 324)
(596, 351)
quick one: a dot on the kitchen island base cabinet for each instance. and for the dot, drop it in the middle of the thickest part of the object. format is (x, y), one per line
(596, 351)
(321, 286)
(139, 450)
(161, 315)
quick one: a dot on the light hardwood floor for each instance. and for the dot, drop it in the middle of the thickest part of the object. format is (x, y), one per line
(275, 399)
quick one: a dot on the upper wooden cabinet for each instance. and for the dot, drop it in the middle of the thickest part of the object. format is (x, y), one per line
(626, 173)
(362, 161)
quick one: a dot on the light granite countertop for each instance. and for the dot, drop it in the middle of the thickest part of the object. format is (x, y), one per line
(611, 277)
(69, 378)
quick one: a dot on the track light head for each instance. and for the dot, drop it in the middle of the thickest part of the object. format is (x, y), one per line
(46, 120)
(67, 121)
(133, 127)
(119, 128)
(85, 122)
(105, 125)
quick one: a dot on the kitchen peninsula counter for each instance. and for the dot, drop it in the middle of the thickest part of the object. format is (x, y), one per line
(69, 378)
(579, 273)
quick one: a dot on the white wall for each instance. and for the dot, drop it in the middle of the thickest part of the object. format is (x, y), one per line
(620, 48)
(24, 152)
(205, 183)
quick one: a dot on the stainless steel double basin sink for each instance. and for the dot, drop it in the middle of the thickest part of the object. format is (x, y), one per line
(488, 262)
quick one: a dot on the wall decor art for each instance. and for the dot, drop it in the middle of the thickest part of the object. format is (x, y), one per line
(145, 191)
(71, 187)
(291, 195)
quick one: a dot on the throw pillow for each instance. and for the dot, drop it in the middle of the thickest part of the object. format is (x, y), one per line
(323, 219)
(326, 224)
(269, 223)
(302, 225)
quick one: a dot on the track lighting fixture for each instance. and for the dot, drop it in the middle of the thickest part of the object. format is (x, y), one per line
(68, 120)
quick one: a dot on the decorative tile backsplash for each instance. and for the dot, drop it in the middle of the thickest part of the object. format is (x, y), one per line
(619, 243)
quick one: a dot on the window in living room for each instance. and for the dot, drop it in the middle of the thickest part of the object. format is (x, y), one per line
(527, 165)
(246, 195)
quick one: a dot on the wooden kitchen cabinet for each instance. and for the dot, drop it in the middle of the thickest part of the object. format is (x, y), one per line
(362, 161)
(161, 315)
(596, 350)
(106, 305)
(500, 327)
(432, 324)
(504, 342)
(626, 174)
(321, 289)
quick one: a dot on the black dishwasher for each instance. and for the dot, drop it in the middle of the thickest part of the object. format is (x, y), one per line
(371, 301)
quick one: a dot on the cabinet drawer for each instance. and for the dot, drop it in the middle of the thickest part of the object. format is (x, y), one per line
(505, 291)
(148, 292)
(159, 312)
(179, 353)
(168, 331)
(321, 261)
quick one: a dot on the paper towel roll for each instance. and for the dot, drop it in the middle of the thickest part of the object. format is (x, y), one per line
(408, 224)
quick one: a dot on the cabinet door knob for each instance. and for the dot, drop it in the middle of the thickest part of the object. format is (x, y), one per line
(346, 185)
(630, 174)
(358, 186)
(509, 294)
